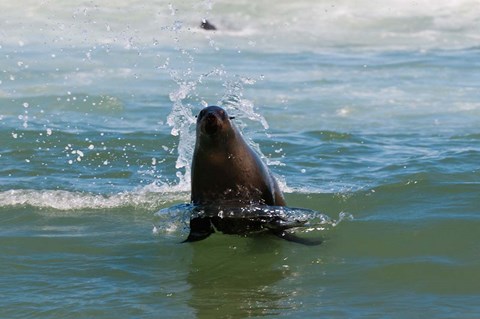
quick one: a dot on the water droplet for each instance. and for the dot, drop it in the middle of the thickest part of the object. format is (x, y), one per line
(172, 9)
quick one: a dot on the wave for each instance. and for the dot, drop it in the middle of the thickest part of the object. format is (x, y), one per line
(151, 197)
(299, 25)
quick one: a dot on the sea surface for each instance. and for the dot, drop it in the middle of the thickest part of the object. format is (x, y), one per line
(367, 113)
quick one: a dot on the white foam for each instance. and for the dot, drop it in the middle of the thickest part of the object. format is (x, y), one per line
(285, 26)
(150, 197)
(175, 219)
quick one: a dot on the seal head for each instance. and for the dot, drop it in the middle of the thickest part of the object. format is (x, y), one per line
(213, 121)
(206, 25)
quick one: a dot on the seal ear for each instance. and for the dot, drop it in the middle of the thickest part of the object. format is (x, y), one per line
(231, 117)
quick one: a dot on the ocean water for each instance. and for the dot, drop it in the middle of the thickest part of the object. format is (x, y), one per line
(368, 114)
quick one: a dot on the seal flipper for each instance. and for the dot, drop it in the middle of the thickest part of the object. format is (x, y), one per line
(291, 237)
(200, 228)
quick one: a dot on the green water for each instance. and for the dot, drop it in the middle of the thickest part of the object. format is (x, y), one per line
(368, 114)
(101, 263)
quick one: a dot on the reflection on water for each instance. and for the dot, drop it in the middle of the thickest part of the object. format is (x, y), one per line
(234, 277)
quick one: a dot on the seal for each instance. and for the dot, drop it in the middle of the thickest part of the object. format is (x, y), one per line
(227, 173)
(206, 25)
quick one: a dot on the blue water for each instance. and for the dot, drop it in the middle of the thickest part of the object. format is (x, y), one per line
(367, 115)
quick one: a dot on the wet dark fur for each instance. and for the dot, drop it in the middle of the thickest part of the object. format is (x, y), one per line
(227, 172)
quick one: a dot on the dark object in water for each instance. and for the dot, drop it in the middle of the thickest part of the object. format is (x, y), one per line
(226, 172)
(207, 25)
(246, 221)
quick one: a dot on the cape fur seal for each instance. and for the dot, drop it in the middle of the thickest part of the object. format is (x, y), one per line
(228, 175)
(206, 25)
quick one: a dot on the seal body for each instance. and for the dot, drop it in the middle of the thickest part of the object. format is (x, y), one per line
(225, 169)
(230, 184)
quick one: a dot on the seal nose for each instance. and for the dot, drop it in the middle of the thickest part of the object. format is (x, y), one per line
(212, 123)
(211, 116)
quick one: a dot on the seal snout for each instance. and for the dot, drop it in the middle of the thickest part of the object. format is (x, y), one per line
(211, 119)
(212, 123)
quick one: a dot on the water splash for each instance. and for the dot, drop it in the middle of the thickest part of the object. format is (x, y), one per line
(175, 219)
(182, 119)
(233, 99)
(191, 86)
